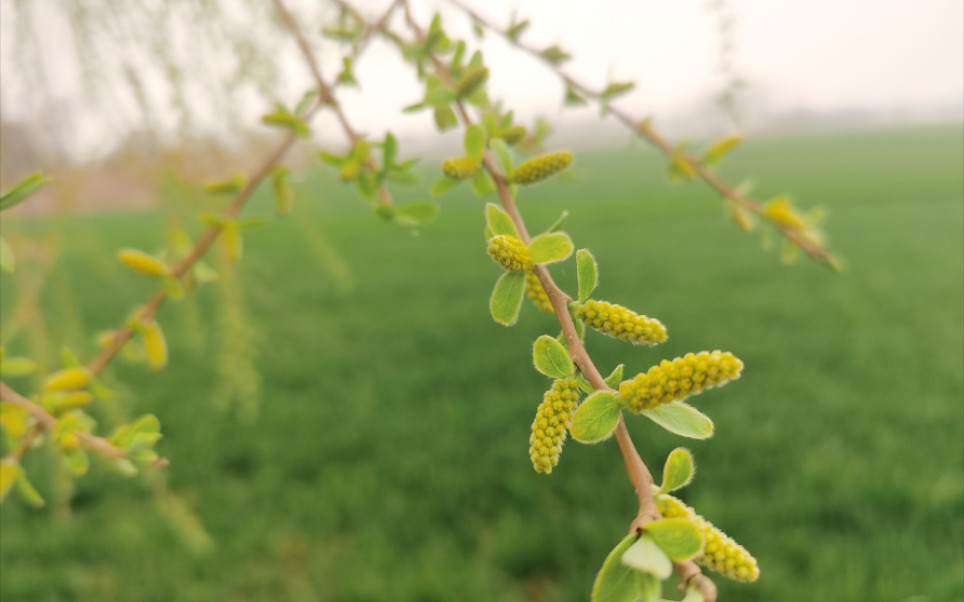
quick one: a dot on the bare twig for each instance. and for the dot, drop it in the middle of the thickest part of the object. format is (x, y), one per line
(636, 469)
(645, 130)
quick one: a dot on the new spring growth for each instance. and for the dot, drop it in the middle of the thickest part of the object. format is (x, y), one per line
(510, 252)
(621, 323)
(678, 379)
(143, 263)
(721, 553)
(155, 346)
(552, 421)
(537, 293)
(66, 380)
(540, 168)
(461, 168)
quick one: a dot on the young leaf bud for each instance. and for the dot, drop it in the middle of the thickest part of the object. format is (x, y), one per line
(510, 252)
(540, 168)
(552, 421)
(621, 323)
(461, 168)
(537, 293)
(513, 135)
(141, 262)
(471, 82)
(59, 402)
(721, 553)
(154, 344)
(678, 379)
(65, 380)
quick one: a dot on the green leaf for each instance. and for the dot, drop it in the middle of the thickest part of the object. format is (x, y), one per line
(573, 98)
(677, 537)
(69, 359)
(587, 273)
(445, 119)
(645, 555)
(474, 142)
(550, 248)
(616, 89)
(7, 260)
(27, 491)
(443, 185)
(515, 30)
(173, 288)
(617, 582)
(551, 358)
(501, 150)
(555, 55)
(389, 151)
(77, 462)
(583, 383)
(615, 377)
(334, 160)
(306, 101)
(682, 419)
(22, 191)
(507, 298)
(499, 221)
(17, 366)
(678, 470)
(719, 150)
(417, 214)
(596, 419)
(482, 184)
(9, 473)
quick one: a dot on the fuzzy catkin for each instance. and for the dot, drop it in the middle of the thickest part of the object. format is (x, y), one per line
(552, 421)
(540, 168)
(510, 252)
(621, 323)
(721, 553)
(461, 168)
(538, 294)
(678, 379)
(141, 262)
(66, 380)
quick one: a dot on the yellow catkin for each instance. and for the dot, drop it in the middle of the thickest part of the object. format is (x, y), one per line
(781, 212)
(65, 380)
(621, 323)
(141, 262)
(461, 168)
(59, 402)
(154, 345)
(538, 294)
(540, 168)
(552, 421)
(510, 252)
(678, 379)
(721, 554)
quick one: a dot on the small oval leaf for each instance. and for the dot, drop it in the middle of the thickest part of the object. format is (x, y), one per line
(550, 248)
(499, 221)
(551, 358)
(682, 419)
(677, 537)
(596, 419)
(678, 470)
(645, 555)
(507, 298)
(587, 273)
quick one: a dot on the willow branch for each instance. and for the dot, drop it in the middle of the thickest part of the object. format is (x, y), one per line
(639, 474)
(46, 421)
(644, 129)
(325, 90)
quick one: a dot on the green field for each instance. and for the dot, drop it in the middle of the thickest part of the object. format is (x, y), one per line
(389, 460)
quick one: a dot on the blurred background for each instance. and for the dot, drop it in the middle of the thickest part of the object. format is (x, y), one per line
(345, 422)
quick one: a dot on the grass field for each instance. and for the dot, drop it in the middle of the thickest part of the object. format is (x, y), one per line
(389, 460)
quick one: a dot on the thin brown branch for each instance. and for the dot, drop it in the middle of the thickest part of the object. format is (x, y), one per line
(46, 421)
(639, 474)
(645, 130)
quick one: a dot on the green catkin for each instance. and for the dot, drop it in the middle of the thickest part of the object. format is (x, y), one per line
(552, 421)
(461, 168)
(621, 323)
(538, 294)
(678, 379)
(540, 168)
(721, 553)
(510, 252)
(471, 82)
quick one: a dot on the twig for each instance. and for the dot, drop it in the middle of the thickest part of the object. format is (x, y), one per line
(45, 421)
(636, 469)
(645, 130)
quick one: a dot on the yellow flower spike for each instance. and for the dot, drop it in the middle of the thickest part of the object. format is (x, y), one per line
(538, 294)
(780, 211)
(551, 424)
(65, 380)
(621, 323)
(461, 168)
(540, 168)
(154, 344)
(60, 402)
(510, 252)
(13, 419)
(678, 379)
(141, 262)
(721, 553)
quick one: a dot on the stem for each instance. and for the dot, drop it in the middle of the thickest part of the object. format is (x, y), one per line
(645, 130)
(639, 474)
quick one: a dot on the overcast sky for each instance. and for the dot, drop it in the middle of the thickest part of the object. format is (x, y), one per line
(820, 55)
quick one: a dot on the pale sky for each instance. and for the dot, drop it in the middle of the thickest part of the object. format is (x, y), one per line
(820, 55)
